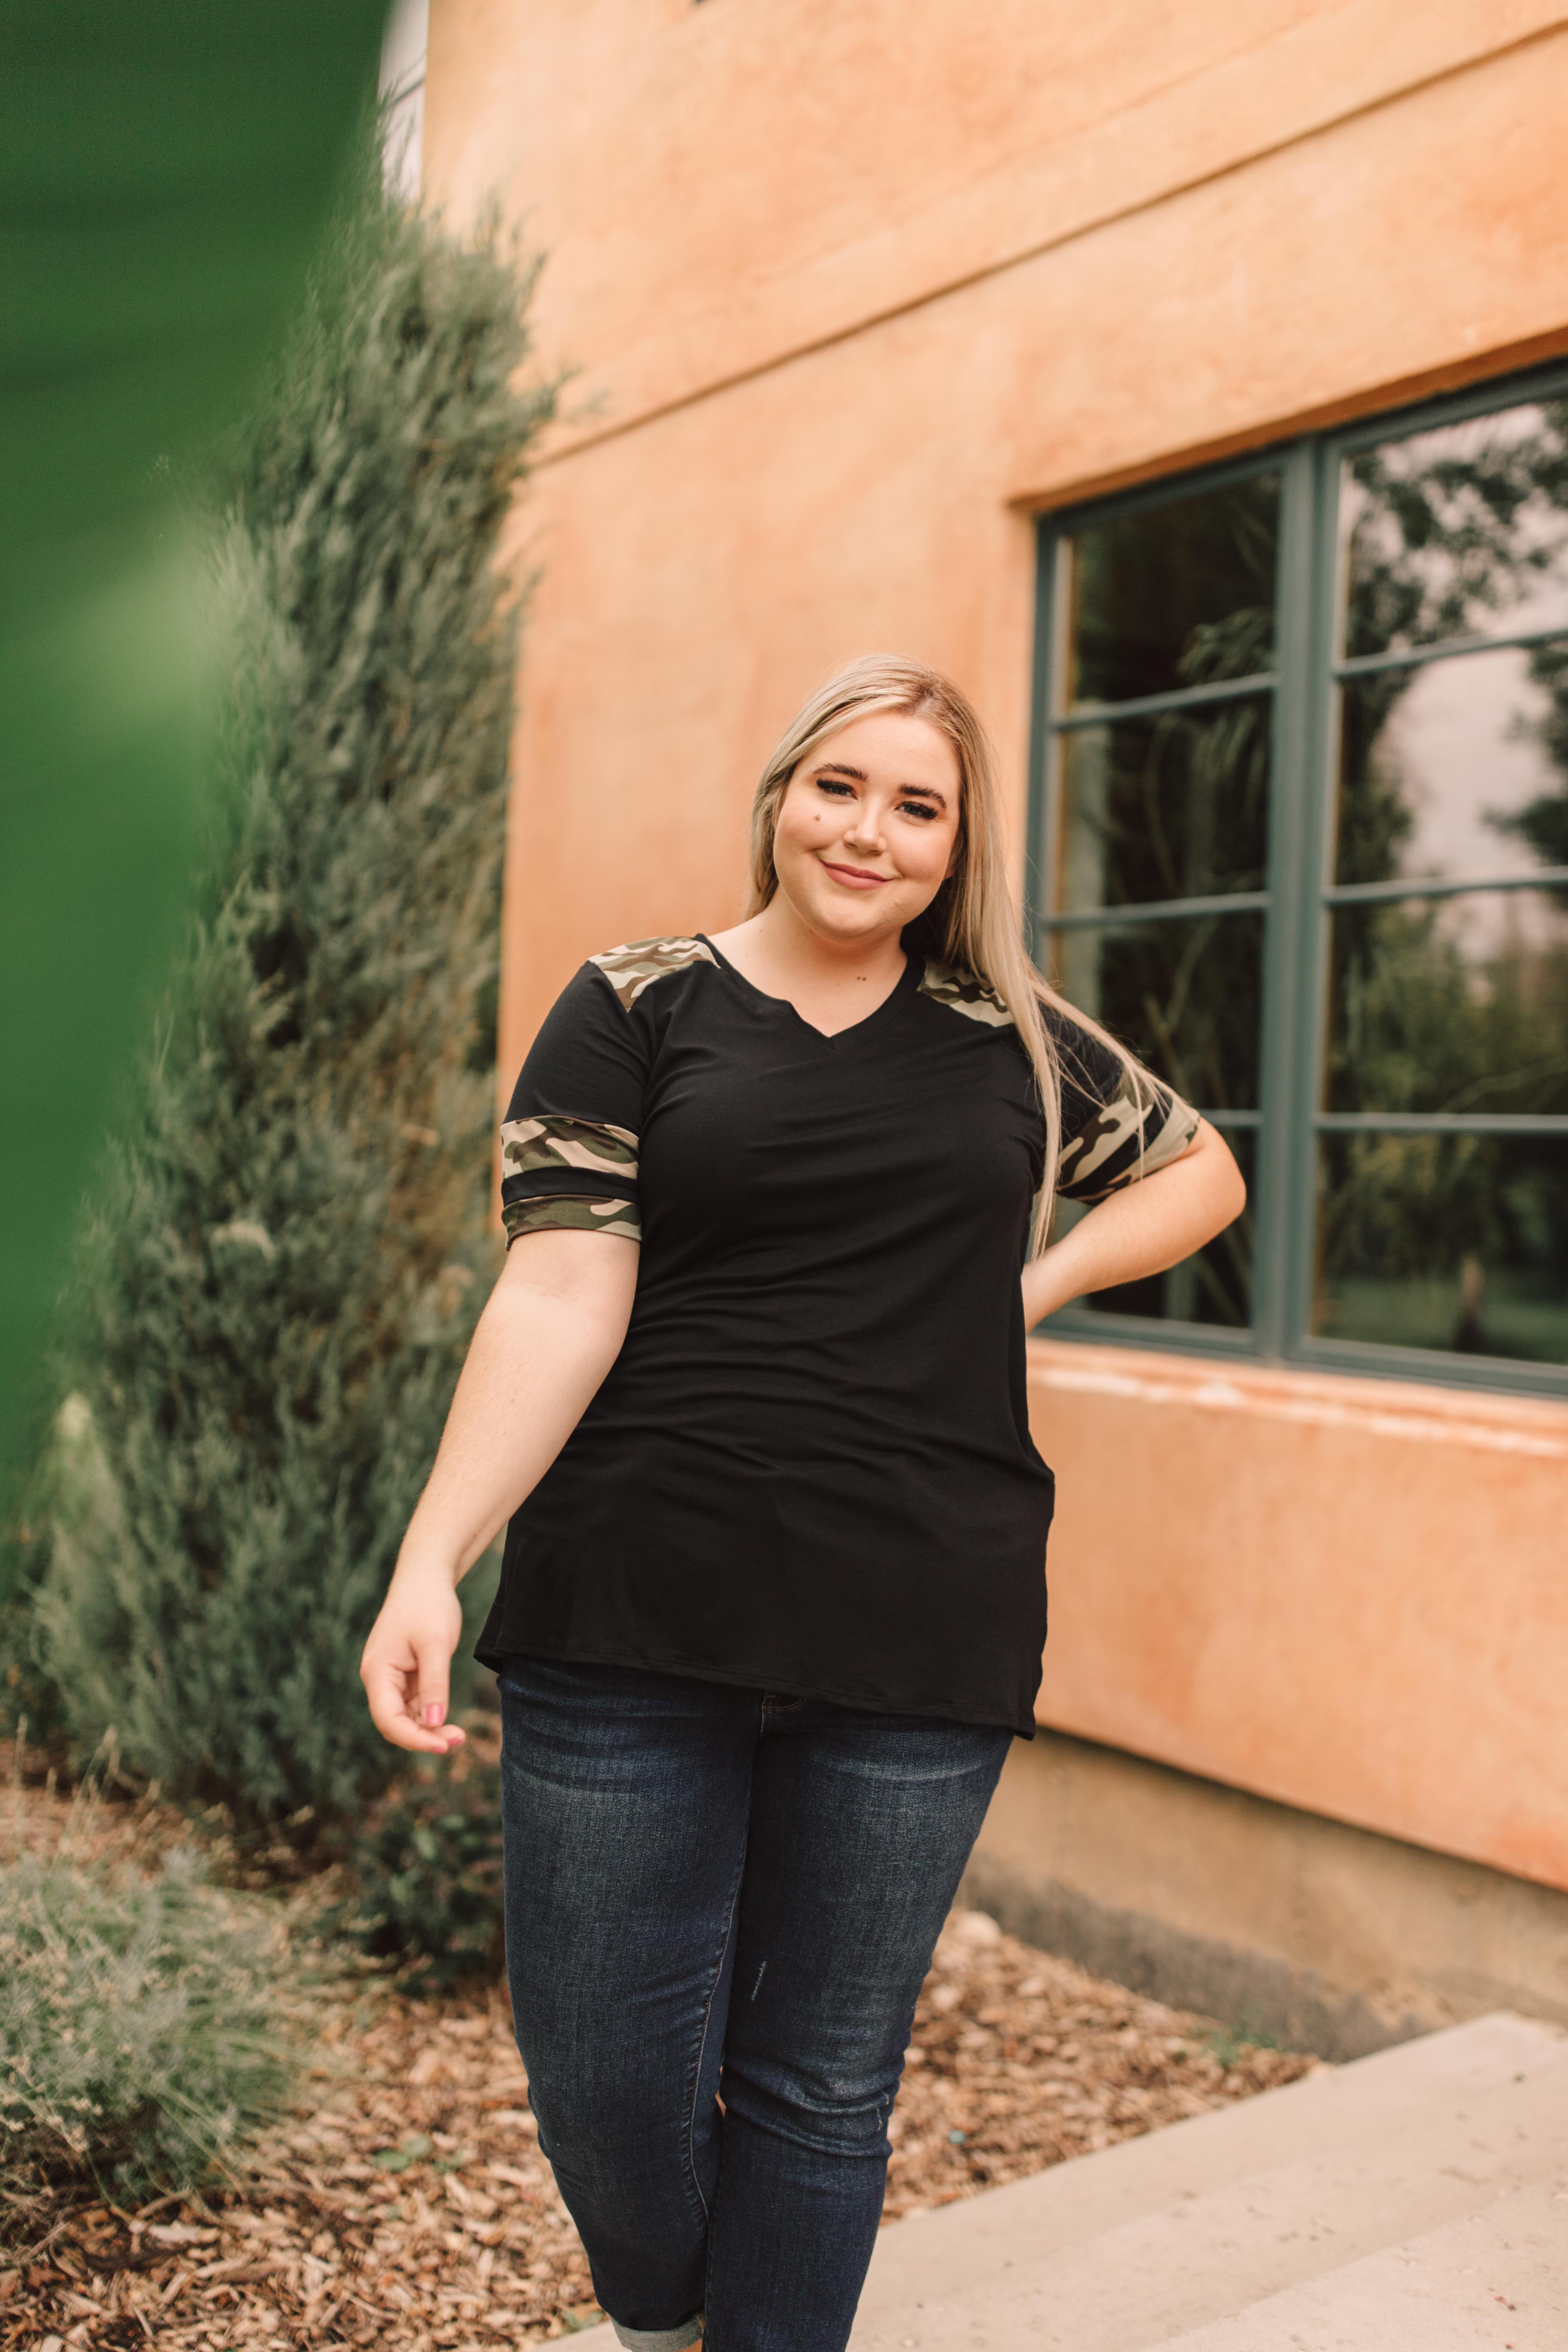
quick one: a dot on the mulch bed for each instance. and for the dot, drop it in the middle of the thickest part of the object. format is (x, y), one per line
(1019, 2060)
(407, 2204)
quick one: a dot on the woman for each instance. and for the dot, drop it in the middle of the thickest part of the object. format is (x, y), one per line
(750, 1392)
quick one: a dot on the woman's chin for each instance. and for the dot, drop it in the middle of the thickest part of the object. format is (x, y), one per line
(854, 927)
(848, 917)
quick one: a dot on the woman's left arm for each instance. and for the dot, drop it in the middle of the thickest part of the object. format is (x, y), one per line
(1148, 1225)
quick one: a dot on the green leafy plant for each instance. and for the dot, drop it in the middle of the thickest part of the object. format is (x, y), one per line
(287, 1243)
(140, 2036)
(1229, 2044)
(427, 1871)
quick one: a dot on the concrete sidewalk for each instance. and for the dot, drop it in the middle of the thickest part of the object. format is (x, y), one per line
(1414, 2201)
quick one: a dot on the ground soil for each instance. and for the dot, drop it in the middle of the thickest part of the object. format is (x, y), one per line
(406, 2203)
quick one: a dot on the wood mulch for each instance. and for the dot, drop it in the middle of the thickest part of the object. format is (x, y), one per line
(1019, 2060)
(406, 2203)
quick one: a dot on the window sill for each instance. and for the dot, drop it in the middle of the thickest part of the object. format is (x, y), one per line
(1416, 1409)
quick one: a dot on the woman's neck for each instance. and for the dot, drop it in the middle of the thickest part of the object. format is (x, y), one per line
(831, 982)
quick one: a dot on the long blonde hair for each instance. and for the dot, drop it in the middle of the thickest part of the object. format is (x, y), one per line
(974, 923)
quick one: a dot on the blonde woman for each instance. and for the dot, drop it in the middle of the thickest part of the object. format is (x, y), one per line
(751, 1394)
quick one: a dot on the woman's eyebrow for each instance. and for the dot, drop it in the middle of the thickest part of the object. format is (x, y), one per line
(925, 792)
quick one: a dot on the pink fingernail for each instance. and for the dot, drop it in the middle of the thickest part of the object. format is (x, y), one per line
(433, 1714)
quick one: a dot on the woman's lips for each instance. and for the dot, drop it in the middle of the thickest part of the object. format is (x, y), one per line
(854, 877)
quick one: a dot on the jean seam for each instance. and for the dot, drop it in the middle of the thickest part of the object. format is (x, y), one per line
(702, 2037)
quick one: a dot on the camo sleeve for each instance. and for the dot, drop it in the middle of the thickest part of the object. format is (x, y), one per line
(569, 1141)
(1117, 1125)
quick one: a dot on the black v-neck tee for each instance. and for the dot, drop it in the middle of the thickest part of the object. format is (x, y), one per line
(809, 1469)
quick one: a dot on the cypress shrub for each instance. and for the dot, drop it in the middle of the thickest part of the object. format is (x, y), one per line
(287, 1245)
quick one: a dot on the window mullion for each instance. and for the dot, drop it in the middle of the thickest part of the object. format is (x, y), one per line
(1175, 697)
(1320, 745)
(1045, 750)
(1131, 913)
(1290, 829)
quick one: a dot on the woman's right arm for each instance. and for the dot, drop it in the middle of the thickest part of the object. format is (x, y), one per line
(550, 1332)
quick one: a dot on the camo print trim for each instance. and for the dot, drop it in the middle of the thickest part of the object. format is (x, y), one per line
(1105, 1155)
(570, 1213)
(630, 970)
(961, 993)
(533, 1146)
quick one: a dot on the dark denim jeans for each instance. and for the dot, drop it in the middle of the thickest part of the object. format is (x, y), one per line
(716, 1895)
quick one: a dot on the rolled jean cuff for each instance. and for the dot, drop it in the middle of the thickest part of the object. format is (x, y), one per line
(661, 2339)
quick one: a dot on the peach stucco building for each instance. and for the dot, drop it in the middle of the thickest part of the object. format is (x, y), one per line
(1184, 381)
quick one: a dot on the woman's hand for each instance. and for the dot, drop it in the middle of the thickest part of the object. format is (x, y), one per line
(407, 1668)
(1147, 1226)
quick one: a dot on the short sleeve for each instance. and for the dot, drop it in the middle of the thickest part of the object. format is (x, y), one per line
(1116, 1126)
(570, 1138)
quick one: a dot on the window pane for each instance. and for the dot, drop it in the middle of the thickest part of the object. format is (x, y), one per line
(1457, 770)
(1184, 996)
(1214, 1287)
(1451, 1242)
(1174, 595)
(1451, 1005)
(1458, 531)
(1172, 807)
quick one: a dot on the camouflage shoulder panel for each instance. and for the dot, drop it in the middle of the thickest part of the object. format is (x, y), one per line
(530, 1145)
(631, 969)
(961, 992)
(570, 1213)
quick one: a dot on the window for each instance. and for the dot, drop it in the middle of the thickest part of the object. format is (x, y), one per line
(1301, 839)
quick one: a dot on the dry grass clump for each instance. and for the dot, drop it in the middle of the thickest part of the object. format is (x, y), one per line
(143, 2012)
(139, 2040)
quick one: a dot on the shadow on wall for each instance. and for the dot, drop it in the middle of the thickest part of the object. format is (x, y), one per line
(1281, 1924)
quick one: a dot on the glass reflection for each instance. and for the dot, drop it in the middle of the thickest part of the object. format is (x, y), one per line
(1457, 771)
(1184, 996)
(1457, 1243)
(1172, 807)
(1457, 1005)
(1214, 1287)
(1174, 595)
(1461, 532)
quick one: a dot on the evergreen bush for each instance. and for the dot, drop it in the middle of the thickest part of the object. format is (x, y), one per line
(426, 1870)
(287, 1245)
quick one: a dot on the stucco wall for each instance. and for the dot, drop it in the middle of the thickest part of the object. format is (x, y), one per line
(850, 295)
(1348, 1594)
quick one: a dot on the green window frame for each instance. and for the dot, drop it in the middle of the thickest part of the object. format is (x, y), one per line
(1309, 680)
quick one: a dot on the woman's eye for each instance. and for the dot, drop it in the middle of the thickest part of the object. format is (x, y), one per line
(827, 784)
(917, 808)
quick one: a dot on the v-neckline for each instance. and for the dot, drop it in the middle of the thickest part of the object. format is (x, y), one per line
(908, 979)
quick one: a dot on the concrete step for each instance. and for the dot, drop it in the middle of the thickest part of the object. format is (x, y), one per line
(1495, 2283)
(1121, 2251)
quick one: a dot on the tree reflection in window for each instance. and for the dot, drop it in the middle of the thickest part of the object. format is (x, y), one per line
(1455, 1006)
(1411, 1110)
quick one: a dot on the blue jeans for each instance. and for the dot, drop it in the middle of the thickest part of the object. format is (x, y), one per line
(715, 1894)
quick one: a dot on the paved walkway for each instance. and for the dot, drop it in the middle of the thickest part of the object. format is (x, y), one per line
(1414, 2201)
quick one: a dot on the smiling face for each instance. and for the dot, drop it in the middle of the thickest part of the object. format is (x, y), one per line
(867, 827)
